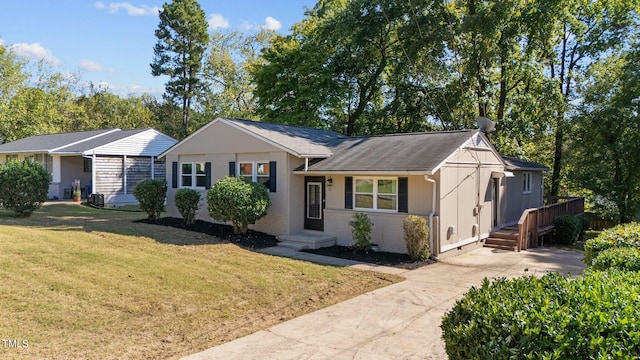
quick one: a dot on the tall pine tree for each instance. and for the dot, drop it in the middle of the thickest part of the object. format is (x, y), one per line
(182, 41)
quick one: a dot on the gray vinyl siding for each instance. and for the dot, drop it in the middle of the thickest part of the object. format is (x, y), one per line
(138, 169)
(109, 175)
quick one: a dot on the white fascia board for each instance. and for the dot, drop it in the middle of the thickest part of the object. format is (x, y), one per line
(363, 172)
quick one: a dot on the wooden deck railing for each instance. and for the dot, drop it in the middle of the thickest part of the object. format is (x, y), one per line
(536, 222)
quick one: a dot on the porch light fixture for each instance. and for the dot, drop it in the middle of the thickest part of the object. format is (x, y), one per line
(329, 182)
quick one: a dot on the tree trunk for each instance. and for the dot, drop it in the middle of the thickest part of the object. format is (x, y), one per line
(557, 160)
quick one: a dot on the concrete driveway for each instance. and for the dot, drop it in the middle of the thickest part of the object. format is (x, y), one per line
(401, 321)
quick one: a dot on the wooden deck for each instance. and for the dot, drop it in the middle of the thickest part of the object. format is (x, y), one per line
(533, 224)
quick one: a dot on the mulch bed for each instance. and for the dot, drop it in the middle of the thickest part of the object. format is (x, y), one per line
(259, 240)
(251, 240)
(373, 257)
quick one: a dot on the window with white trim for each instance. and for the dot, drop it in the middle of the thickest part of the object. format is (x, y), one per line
(526, 184)
(192, 175)
(254, 171)
(12, 157)
(376, 194)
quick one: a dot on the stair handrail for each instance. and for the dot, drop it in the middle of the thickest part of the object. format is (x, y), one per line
(545, 217)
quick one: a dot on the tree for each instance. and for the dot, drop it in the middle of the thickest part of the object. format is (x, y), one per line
(182, 40)
(24, 186)
(231, 56)
(582, 32)
(343, 66)
(604, 149)
(242, 203)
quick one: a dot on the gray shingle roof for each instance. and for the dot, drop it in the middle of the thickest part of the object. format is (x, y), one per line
(422, 152)
(99, 141)
(44, 143)
(77, 143)
(513, 163)
(298, 140)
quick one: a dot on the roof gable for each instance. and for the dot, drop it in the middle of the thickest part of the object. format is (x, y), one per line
(141, 142)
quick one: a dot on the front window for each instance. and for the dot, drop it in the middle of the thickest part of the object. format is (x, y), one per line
(526, 186)
(376, 194)
(255, 172)
(192, 175)
(12, 157)
(87, 164)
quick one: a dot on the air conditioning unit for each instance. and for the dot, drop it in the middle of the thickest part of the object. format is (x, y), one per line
(96, 200)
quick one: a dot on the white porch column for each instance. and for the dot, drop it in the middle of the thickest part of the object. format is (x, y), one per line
(93, 175)
(124, 173)
(153, 175)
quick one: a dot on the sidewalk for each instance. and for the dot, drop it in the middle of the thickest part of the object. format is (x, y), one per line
(401, 321)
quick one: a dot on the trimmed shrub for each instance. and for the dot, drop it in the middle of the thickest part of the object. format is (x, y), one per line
(620, 236)
(187, 201)
(233, 199)
(617, 258)
(568, 229)
(24, 185)
(151, 195)
(416, 235)
(595, 316)
(585, 222)
(361, 231)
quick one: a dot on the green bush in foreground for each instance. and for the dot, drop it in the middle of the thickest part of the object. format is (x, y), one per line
(151, 195)
(187, 201)
(233, 199)
(596, 316)
(24, 186)
(416, 235)
(620, 236)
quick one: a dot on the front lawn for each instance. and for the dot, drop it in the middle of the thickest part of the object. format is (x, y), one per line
(77, 282)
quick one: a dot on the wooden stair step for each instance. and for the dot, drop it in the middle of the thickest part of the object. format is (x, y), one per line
(504, 244)
(504, 235)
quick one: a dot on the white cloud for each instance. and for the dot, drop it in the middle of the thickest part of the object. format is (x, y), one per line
(93, 66)
(271, 24)
(34, 51)
(217, 21)
(132, 10)
(1, 42)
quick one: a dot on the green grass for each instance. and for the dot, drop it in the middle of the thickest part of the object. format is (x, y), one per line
(77, 282)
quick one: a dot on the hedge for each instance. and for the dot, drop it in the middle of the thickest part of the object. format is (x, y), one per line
(567, 229)
(596, 316)
(242, 203)
(617, 258)
(620, 236)
(187, 201)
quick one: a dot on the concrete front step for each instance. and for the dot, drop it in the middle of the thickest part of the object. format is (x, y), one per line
(306, 240)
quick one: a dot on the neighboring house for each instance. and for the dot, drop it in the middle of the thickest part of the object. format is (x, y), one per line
(109, 162)
(319, 179)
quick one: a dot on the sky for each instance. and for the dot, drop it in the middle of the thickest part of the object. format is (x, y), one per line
(111, 43)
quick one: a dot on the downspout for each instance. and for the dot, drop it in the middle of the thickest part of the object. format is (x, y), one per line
(433, 209)
(306, 164)
(153, 175)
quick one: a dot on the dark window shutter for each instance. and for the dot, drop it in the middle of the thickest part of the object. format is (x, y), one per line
(403, 195)
(207, 175)
(174, 174)
(232, 168)
(348, 192)
(272, 176)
